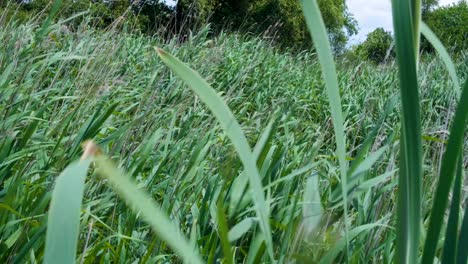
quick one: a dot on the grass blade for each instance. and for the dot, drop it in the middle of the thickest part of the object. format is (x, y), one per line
(234, 132)
(416, 23)
(64, 215)
(144, 205)
(462, 255)
(446, 176)
(322, 45)
(450, 245)
(43, 30)
(240, 229)
(337, 248)
(223, 233)
(312, 208)
(439, 47)
(409, 194)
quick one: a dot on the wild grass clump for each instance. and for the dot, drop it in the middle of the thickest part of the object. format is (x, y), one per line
(251, 167)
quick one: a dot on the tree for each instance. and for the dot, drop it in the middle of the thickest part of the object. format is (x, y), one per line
(428, 5)
(339, 22)
(450, 25)
(284, 17)
(190, 14)
(376, 46)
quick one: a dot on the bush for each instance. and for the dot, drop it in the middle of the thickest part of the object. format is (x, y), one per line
(376, 46)
(450, 25)
(282, 18)
(143, 16)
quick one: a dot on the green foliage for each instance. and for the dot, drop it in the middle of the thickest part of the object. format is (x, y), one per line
(339, 22)
(283, 19)
(376, 47)
(110, 86)
(427, 6)
(142, 16)
(280, 18)
(450, 25)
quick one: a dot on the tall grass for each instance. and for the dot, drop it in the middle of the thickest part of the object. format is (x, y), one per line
(282, 193)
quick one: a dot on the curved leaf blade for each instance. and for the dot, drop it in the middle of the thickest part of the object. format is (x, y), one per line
(64, 216)
(319, 34)
(141, 203)
(409, 193)
(446, 176)
(444, 55)
(233, 130)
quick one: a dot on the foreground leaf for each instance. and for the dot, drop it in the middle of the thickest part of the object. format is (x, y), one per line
(322, 45)
(232, 128)
(64, 215)
(439, 47)
(312, 208)
(409, 185)
(145, 206)
(446, 176)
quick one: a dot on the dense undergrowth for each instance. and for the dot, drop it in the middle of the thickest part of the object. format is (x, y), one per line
(113, 88)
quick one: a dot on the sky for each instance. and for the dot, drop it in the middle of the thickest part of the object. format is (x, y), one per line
(371, 14)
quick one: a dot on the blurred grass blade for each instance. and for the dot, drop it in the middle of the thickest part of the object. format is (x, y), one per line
(322, 45)
(234, 132)
(26, 248)
(416, 23)
(223, 233)
(439, 47)
(144, 205)
(409, 192)
(338, 247)
(462, 255)
(370, 138)
(446, 176)
(92, 125)
(450, 245)
(238, 192)
(43, 30)
(312, 208)
(241, 228)
(64, 215)
(256, 249)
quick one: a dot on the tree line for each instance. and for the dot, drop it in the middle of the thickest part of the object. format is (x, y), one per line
(281, 20)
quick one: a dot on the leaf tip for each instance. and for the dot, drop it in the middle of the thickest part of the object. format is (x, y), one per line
(90, 149)
(160, 51)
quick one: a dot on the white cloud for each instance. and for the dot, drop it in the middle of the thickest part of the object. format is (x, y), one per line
(371, 14)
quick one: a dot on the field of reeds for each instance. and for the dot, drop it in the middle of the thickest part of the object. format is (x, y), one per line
(259, 159)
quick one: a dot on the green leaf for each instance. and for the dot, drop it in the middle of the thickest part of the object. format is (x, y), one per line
(238, 190)
(450, 245)
(359, 169)
(43, 30)
(322, 45)
(446, 176)
(142, 204)
(462, 255)
(312, 206)
(223, 233)
(370, 138)
(232, 128)
(409, 192)
(439, 47)
(338, 247)
(241, 228)
(64, 215)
